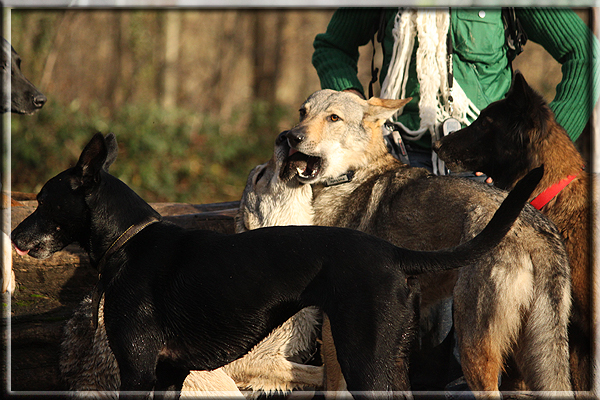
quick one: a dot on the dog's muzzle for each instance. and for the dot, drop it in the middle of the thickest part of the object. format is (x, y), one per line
(306, 167)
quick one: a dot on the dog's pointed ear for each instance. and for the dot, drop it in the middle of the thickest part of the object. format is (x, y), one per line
(112, 150)
(91, 162)
(520, 92)
(383, 109)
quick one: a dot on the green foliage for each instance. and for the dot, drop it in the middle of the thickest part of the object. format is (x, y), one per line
(164, 155)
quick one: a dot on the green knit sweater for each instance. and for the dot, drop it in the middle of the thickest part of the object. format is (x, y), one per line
(481, 62)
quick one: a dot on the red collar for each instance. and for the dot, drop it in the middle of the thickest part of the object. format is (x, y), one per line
(543, 198)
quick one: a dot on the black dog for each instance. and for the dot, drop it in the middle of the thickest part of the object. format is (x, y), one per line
(24, 97)
(178, 299)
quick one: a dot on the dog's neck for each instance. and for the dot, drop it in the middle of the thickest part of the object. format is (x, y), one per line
(556, 146)
(108, 219)
(325, 198)
(282, 203)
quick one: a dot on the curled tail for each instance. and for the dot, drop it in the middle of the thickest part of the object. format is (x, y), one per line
(486, 240)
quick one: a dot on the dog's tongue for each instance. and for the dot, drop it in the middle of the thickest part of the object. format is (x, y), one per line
(19, 251)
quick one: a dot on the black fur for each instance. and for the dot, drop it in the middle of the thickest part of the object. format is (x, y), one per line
(501, 145)
(180, 299)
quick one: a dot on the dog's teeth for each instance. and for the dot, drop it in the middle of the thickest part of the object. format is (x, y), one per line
(302, 172)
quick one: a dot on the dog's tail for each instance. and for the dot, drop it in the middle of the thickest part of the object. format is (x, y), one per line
(486, 240)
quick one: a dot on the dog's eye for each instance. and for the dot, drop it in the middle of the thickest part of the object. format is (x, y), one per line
(334, 117)
(302, 113)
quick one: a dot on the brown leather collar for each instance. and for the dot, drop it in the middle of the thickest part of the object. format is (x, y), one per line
(112, 249)
(124, 238)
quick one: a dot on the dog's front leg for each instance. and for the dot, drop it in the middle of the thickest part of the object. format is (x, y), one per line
(135, 384)
(137, 360)
(169, 381)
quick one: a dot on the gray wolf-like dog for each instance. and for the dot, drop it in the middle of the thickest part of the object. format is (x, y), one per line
(515, 301)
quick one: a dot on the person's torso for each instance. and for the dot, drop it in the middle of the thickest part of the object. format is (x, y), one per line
(480, 63)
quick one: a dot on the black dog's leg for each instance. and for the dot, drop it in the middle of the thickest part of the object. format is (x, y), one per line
(373, 346)
(137, 360)
(369, 361)
(169, 381)
(135, 384)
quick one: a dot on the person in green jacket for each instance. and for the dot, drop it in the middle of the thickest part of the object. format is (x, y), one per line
(453, 63)
(480, 62)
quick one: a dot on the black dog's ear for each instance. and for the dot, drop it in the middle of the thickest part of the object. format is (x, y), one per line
(112, 150)
(91, 161)
(520, 92)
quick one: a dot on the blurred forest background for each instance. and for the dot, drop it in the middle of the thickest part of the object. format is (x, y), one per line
(195, 97)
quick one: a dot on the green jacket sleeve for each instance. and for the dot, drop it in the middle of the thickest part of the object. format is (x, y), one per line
(570, 42)
(336, 51)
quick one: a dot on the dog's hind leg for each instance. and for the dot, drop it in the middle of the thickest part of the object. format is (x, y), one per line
(372, 342)
(542, 354)
(487, 331)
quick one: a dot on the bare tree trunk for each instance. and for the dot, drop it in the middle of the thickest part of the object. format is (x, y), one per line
(172, 31)
(267, 45)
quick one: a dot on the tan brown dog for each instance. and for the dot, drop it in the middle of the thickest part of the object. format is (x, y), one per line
(517, 301)
(512, 136)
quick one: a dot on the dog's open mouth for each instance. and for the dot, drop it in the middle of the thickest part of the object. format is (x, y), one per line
(306, 167)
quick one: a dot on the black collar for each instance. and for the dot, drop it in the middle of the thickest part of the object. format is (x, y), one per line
(344, 178)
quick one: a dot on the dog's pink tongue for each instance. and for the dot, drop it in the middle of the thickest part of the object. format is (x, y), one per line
(19, 251)
(292, 151)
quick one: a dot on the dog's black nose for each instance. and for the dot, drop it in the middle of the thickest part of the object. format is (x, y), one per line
(281, 138)
(294, 138)
(39, 100)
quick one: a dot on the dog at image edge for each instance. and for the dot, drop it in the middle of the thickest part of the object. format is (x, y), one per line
(24, 99)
